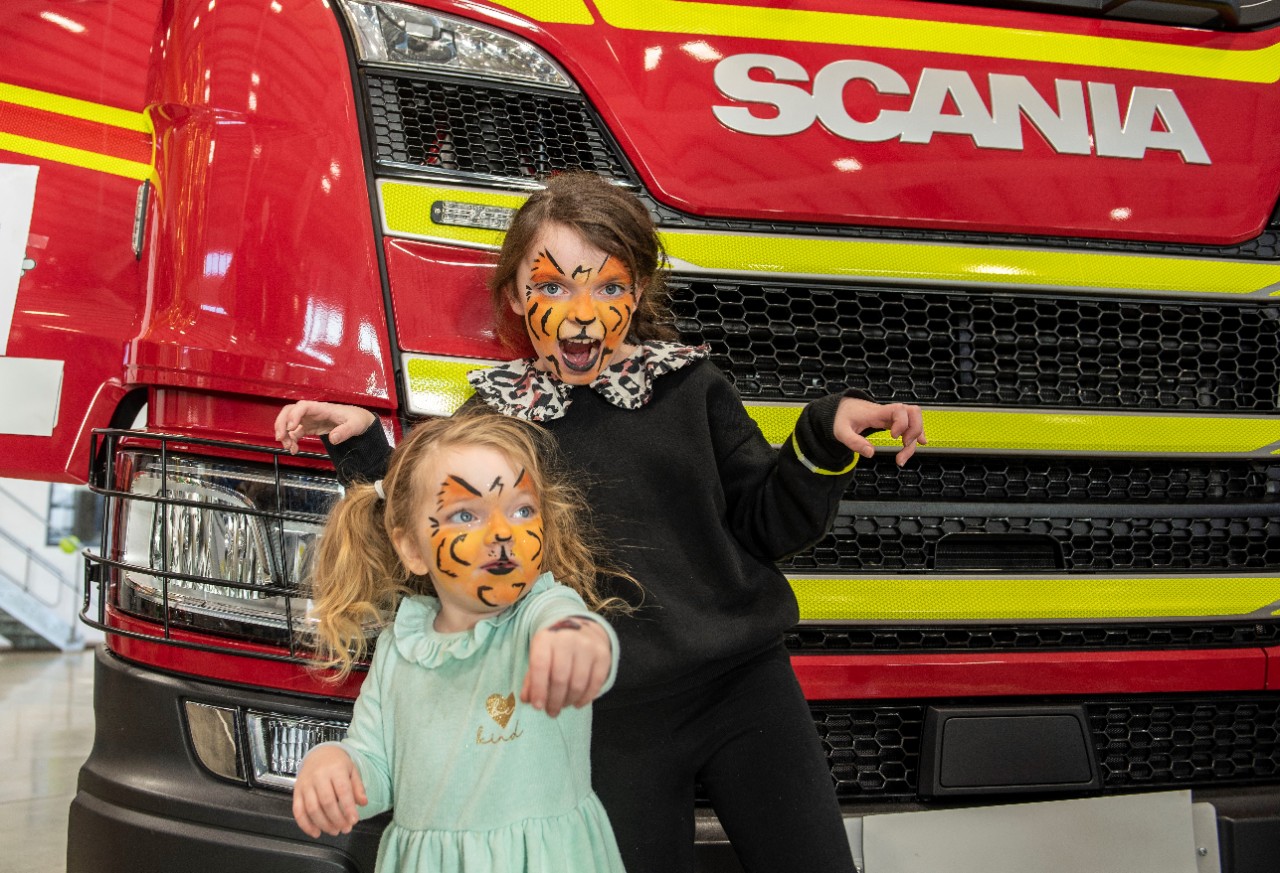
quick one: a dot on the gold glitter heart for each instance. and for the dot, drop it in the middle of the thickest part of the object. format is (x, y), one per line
(500, 708)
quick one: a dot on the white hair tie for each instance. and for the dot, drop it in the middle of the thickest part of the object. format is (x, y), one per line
(377, 486)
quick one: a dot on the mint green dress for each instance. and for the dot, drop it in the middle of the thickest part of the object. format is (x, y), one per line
(480, 782)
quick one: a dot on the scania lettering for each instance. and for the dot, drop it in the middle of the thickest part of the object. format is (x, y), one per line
(1154, 119)
(1055, 227)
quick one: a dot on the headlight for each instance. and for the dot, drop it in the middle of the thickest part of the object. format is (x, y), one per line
(215, 545)
(278, 743)
(400, 35)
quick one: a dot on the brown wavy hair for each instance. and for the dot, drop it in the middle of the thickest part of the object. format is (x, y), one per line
(610, 218)
(358, 578)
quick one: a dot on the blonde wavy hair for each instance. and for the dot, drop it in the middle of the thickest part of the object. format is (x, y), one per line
(358, 578)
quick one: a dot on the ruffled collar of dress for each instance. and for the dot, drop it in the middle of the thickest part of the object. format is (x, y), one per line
(419, 642)
(520, 390)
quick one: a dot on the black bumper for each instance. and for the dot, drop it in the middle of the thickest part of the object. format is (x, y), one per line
(144, 803)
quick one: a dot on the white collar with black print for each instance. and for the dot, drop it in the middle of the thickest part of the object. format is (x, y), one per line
(520, 390)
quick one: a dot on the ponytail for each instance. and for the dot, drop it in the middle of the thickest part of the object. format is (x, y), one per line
(357, 579)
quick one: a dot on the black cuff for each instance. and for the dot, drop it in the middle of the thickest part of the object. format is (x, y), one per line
(816, 435)
(361, 458)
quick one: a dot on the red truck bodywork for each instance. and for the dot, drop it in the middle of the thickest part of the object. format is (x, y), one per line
(959, 151)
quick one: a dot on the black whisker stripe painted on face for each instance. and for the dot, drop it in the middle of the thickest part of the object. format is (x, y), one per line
(555, 362)
(600, 269)
(439, 565)
(528, 316)
(453, 545)
(538, 539)
(480, 594)
(435, 524)
(465, 484)
(546, 315)
(519, 478)
(621, 318)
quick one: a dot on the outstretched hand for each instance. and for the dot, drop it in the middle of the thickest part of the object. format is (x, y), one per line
(902, 420)
(312, 418)
(569, 662)
(328, 790)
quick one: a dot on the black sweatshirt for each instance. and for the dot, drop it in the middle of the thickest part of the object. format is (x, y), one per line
(691, 499)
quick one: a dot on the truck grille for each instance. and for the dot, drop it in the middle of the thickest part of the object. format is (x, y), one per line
(482, 130)
(874, 751)
(1079, 515)
(1067, 480)
(1087, 542)
(790, 341)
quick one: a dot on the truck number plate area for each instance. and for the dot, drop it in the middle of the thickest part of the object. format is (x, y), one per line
(1143, 833)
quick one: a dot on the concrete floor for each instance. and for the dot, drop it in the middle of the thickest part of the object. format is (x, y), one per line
(46, 726)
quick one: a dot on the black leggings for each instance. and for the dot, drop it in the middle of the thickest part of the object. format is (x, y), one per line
(748, 737)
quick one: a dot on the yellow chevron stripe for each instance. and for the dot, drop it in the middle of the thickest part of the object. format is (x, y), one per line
(1071, 433)
(438, 386)
(837, 28)
(1009, 267)
(110, 115)
(406, 209)
(76, 157)
(968, 598)
(551, 11)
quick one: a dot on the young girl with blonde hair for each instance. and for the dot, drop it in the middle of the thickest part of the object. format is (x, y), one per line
(474, 721)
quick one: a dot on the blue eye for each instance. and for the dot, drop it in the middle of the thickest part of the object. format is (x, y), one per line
(463, 516)
(552, 289)
(613, 290)
(524, 512)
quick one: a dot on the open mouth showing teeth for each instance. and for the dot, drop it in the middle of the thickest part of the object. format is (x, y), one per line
(579, 355)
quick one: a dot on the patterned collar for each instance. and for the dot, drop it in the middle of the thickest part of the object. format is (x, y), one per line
(518, 389)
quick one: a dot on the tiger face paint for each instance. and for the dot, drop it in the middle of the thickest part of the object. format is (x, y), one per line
(480, 535)
(576, 302)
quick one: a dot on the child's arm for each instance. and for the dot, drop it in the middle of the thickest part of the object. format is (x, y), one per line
(781, 501)
(573, 656)
(359, 451)
(311, 418)
(337, 777)
(328, 790)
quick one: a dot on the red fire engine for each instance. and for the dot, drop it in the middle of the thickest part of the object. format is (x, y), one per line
(1053, 223)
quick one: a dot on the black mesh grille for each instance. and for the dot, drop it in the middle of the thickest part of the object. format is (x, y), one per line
(1186, 741)
(829, 640)
(1066, 480)
(874, 751)
(881, 543)
(467, 127)
(798, 342)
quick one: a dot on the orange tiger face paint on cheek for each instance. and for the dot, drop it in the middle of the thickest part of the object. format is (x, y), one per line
(577, 304)
(485, 539)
